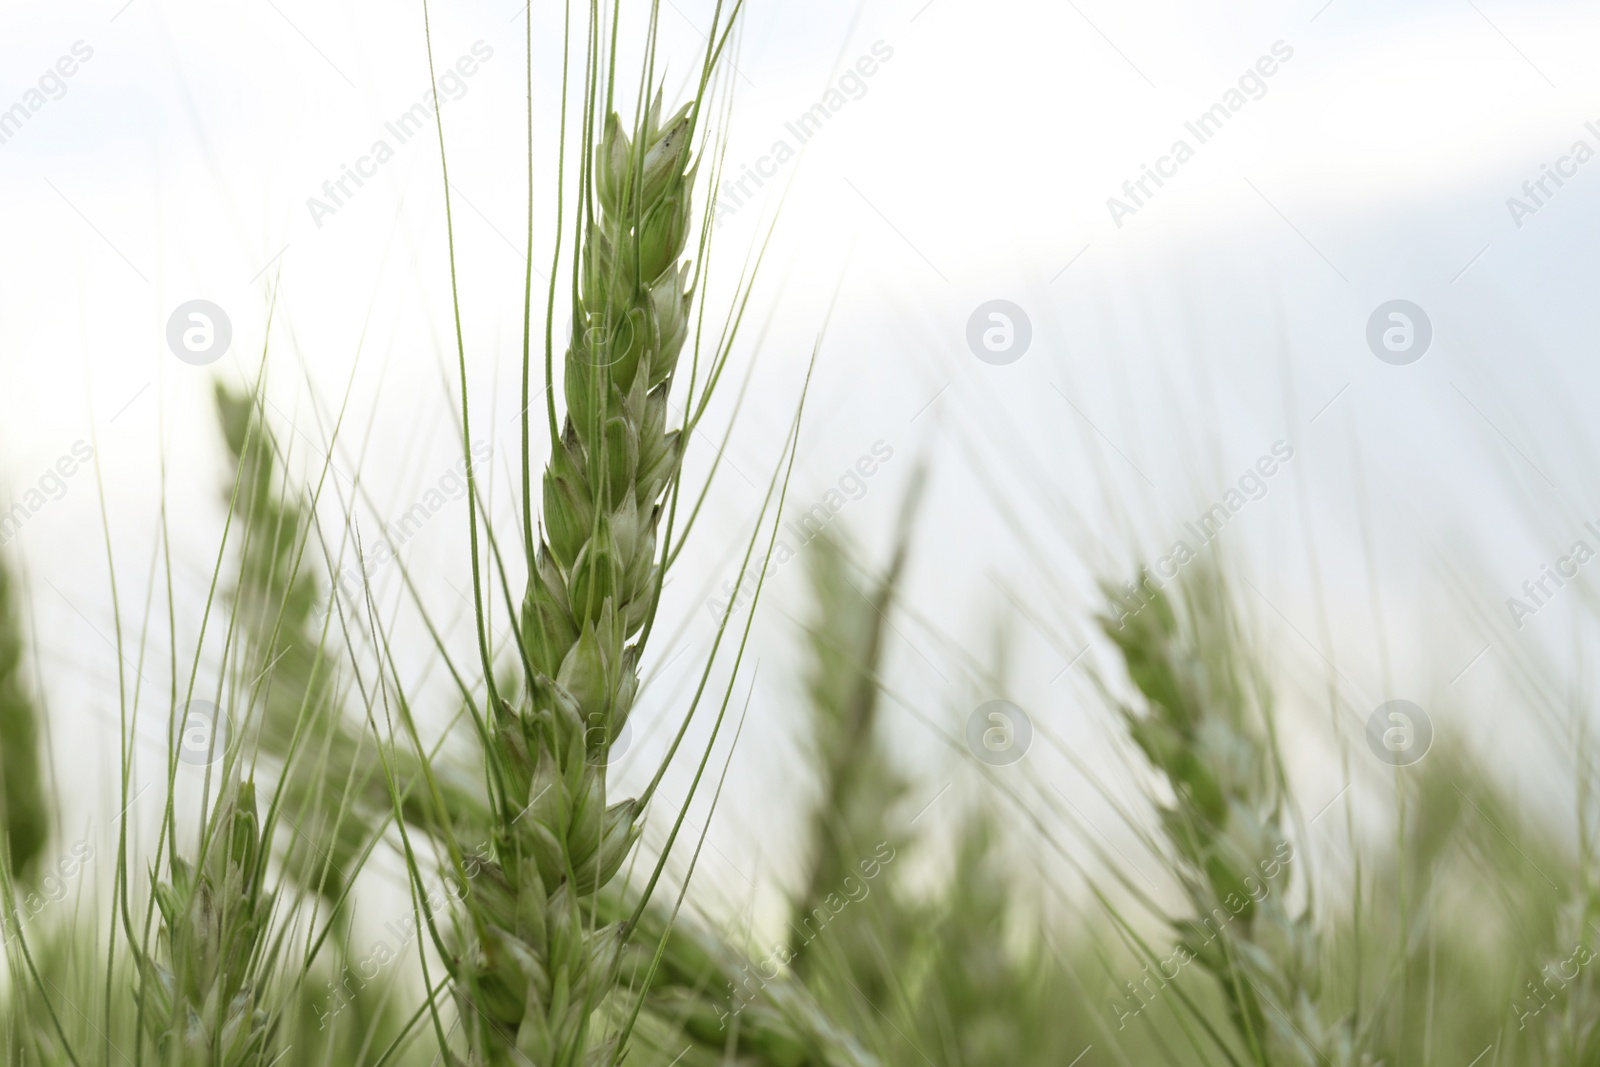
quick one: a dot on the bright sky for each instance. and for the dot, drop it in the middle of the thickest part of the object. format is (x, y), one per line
(968, 156)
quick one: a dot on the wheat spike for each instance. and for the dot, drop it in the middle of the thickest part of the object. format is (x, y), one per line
(860, 784)
(1206, 726)
(24, 804)
(539, 969)
(202, 990)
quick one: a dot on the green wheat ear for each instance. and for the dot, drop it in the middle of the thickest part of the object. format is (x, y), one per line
(24, 803)
(538, 971)
(332, 790)
(611, 466)
(860, 784)
(202, 991)
(981, 1002)
(1205, 724)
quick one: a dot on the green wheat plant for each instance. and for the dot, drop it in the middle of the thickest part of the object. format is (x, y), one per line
(930, 976)
(367, 761)
(333, 795)
(1204, 720)
(215, 973)
(539, 974)
(291, 809)
(983, 997)
(534, 970)
(202, 988)
(688, 1005)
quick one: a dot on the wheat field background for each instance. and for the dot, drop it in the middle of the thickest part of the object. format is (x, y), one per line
(1132, 458)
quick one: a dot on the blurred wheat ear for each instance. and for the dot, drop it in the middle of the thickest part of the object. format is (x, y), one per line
(302, 721)
(330, 792)
(25, 804)
(204, 990)
(931, 977)
(854, 815)
(981, 1001)
(1205, 722)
